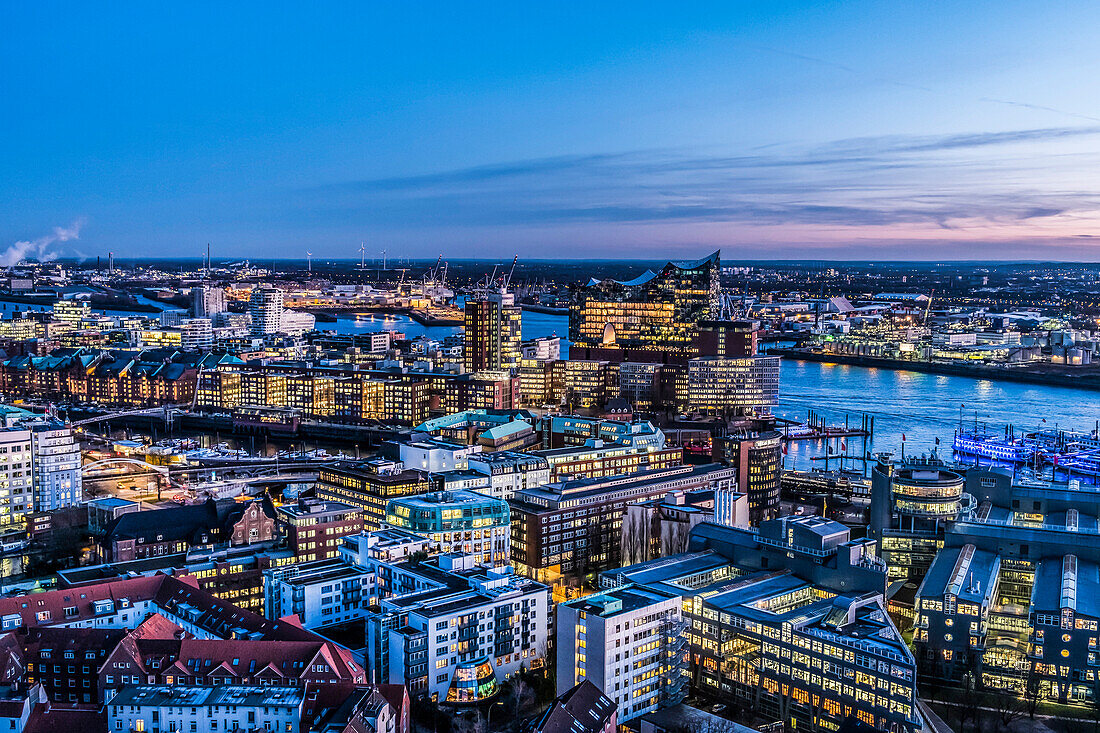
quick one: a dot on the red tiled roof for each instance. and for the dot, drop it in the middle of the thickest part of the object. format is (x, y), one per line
(242, 658)
(81, 599)
(173, 596)
(158, 627)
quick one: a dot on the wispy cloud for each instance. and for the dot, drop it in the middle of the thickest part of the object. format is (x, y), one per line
(852, 71)
(1000, 183)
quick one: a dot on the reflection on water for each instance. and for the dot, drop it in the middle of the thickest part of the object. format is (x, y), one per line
(922, 407)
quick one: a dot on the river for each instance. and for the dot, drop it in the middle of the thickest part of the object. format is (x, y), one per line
(922, 407)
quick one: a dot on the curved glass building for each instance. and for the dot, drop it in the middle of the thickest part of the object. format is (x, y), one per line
(465, 522)
(656, 311)
(473, 682)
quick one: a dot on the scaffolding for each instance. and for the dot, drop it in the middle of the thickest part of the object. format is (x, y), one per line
(674, 656)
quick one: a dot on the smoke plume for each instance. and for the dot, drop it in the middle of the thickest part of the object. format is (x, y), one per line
(40, 249)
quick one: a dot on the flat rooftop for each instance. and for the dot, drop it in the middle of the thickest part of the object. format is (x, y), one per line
(184, 696)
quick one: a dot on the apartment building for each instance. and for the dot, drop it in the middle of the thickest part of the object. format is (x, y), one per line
(39, 466)
(206, 709)
(629, 643)
(315, 529)
(453, 630)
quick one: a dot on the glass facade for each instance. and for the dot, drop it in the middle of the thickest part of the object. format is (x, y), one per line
(656, 311)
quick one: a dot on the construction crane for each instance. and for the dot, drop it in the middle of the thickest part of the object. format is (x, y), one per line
(433, 272)
(928, 307)
(491, 278)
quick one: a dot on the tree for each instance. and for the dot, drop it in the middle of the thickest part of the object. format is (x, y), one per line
(1007, 704)
(472, 722)
(519, 699)
(428, 716)
(1031, 691)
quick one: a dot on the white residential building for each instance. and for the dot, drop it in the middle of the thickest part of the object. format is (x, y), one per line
(507, 472)
(320, 593)
(461, 633)
(266, 308)
(39, 466)
(629, 643)
(436, 456)
(206, 709)
(55, 458)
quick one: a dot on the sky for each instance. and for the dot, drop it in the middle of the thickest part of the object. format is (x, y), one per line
(782, 130)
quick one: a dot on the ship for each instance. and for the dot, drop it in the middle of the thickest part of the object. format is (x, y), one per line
(993, 447)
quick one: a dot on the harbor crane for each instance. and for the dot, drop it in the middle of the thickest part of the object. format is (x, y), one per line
(508, 280)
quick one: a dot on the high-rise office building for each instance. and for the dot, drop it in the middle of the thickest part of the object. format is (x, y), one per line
(207, 301)
(493, 333)
(757, 457)
(745, 385)
(266, 308)
(654, 317)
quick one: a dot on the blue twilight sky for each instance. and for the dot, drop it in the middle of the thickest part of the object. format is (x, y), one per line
(848, 130)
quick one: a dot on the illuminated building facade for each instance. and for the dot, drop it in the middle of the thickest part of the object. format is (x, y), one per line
(315, 529)
(493, 333)
(628, 641)
(1011, 599)
(789, 621)
(331, 396)
(463, 632)
(747, 385)
(758, 458)
(457, 521)
(655, 312)
(565, 530)
(371, 485)
(911, 505)
(265, 305)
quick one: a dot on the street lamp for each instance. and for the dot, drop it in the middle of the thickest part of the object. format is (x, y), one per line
(489, 714)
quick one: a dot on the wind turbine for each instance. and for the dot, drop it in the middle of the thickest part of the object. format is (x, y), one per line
(383, 260)
(309, 262)
(363, 256)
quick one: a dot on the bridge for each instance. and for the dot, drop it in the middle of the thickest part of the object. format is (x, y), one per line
(162, 470)
(165, 411)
